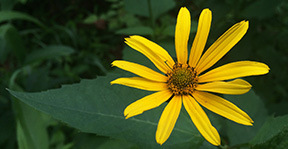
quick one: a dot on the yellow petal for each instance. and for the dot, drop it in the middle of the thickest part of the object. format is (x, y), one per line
(201, 37)
(159, 56)
(235, 70)
(147, 103)
(222, 107)
(222, 45)
(141, 83)
(201, 121)
(140, 70)
(182, 32)
(234, 87)
(168, 119)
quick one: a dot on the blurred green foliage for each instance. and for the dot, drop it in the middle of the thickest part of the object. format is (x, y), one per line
(44, 44)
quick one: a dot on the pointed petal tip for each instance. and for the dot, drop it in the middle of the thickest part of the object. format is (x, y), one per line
(113, 63)
(266, 67)
(216, 142)
(249, 124)
(113, 82)
(183, 11)
(127, 38)
(246, 23)
(135, 36)
(182, 8)
(126, 115)
(206, 10)
(159, 142)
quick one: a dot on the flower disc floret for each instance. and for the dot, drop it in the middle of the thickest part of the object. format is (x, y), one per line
(182, 80)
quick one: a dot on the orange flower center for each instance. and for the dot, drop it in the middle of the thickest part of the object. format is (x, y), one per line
(182, 80)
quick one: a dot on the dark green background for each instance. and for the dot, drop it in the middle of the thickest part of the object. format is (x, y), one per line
(47, 43)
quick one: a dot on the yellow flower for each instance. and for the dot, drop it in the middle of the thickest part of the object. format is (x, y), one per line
(184, 82)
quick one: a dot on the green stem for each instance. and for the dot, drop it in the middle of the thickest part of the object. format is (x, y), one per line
(152, 22)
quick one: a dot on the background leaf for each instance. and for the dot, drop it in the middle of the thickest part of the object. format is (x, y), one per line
(11, 43)
(261, 9)
(273, 127)
(31, 127)
(49, 52)
(140, 30)
(12, 15)
(95, 106)
(254, 107)
(140, 7)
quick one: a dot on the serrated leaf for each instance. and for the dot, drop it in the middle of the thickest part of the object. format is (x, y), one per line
(254, 107)
(271, 128)
(280, 141)
(94, 106)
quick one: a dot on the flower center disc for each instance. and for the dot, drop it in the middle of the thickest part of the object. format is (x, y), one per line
(182, 80)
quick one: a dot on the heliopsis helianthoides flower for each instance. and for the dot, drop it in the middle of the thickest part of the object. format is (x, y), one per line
(186, 81)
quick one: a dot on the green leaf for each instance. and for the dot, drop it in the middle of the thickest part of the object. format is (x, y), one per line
(261, 9)
(271, 128)
(254, 107)
(94, 106)
(31, 127)
(90, 19)
(12, 15)
(7, 4)
(139, 30)
(11, 42)
(140, 7)
(7, 124)
(23, 1)
(48, 52)
(4, 50)
(280, 141)
(112, 143)
(169, 30)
